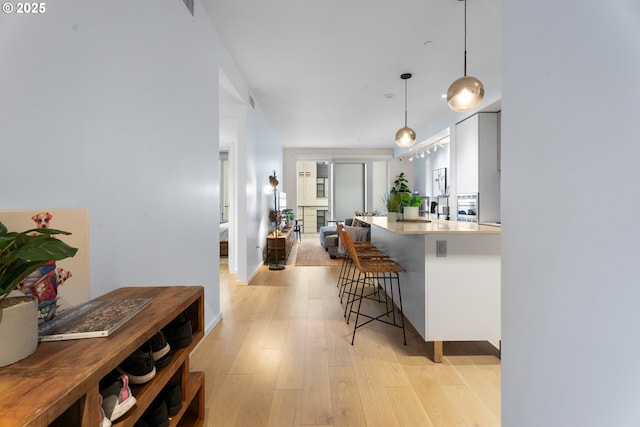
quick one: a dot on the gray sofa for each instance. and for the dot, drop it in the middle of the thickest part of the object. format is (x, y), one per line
(329, 236)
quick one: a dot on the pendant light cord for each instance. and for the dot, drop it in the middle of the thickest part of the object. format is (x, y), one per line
(405, 102)
(465, 38)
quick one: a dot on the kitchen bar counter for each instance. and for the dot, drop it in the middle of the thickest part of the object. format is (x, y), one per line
(451, 287)
(435, 226)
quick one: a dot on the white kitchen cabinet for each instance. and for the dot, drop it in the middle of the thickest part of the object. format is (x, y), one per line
(477, 163)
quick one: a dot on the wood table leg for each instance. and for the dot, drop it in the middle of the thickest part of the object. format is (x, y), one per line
(437, 351)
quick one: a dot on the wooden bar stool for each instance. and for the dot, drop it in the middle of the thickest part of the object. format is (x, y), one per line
(347, 273)
(380, 274)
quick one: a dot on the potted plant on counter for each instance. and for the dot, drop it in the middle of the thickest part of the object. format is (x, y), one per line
(412, 207)
(21, 254)
(400, 192)
(393, 202)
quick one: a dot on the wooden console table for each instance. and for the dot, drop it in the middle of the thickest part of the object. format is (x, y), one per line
(279, 248)
(58, 384)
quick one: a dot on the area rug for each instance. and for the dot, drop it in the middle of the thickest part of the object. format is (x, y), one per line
(311, 252)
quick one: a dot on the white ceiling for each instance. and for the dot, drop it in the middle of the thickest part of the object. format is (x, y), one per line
(327, 74)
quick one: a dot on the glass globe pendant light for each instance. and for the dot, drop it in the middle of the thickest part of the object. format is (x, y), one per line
(405, 137)
(465, 93)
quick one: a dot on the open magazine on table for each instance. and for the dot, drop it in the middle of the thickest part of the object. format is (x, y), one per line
(91, 319)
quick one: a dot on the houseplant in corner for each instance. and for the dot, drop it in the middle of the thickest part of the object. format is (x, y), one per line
(400, 192)
(22, 253)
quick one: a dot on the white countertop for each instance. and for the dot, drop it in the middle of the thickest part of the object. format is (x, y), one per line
(436, 226)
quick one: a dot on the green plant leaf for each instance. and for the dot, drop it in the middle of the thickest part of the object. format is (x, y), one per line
(12, 276)
(46, 250)
(415, 201)
(400, 185)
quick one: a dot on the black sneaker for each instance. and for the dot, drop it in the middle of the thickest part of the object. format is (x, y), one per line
(157, 414)
(139, 367)
(172, 394)
(178, 332)
(159, 348)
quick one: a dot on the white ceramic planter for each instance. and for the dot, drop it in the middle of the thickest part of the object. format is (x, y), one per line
(411, 212)
(18, 329)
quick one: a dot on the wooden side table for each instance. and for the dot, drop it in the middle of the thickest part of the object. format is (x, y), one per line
(279, 247)
(276, 248)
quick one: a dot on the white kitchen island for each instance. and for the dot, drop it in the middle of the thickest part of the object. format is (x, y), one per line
(455, 297)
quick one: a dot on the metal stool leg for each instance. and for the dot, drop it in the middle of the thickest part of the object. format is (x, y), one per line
(389, 299)
(404, 333)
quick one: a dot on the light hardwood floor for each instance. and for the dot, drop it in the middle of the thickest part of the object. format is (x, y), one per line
(282, 356)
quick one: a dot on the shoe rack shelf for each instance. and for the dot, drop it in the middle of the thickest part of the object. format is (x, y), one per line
(58, 384)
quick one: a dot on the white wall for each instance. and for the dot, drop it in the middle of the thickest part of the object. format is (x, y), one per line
(113, 106)
(424, 167)
(263, 156)
(570, 235)
(378, 187)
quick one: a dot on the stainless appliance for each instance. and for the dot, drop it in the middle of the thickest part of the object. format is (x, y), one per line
(424, 207)
(443, 207)
(468, 206)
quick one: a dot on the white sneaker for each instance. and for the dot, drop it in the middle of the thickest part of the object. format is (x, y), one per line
(117, 398)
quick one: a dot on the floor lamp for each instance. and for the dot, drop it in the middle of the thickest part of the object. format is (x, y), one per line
(273, 182)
